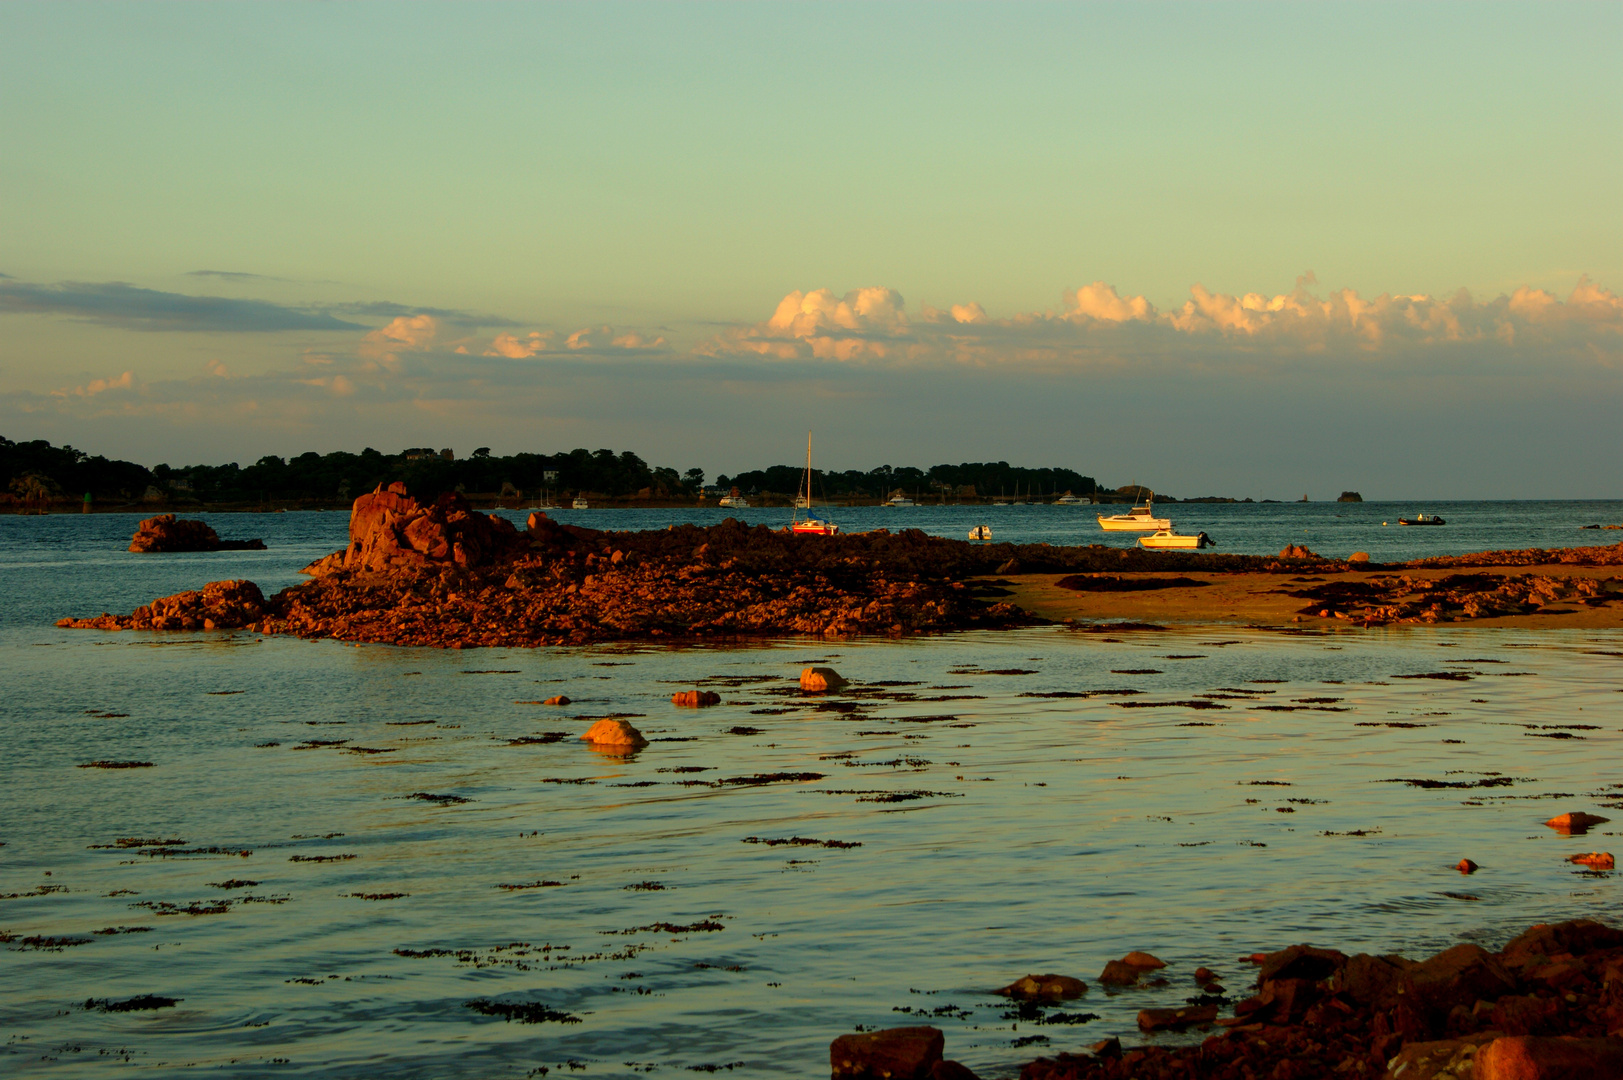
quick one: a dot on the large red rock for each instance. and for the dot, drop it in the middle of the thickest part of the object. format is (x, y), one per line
(1367, 978)
(166, 533)
(1301, 962)
(1577, 937)
(1531, 1057)
(1461, 976)
(390, 530)
(906, 1053)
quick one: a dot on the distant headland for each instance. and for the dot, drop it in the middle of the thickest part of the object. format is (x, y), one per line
(36, 477)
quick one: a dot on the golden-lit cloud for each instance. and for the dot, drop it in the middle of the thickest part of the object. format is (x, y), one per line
(591, 339)
(404, 333)
(516, 348)
(125, 381)
(1098, 325)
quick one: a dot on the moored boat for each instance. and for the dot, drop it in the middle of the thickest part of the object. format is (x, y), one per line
(809, 526)
(1138, 519)
(1068, 499)
(733, 501)
(580, 504)
(1166, 538)
(1422, 519)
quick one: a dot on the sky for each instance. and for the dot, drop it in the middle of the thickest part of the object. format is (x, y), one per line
(1218, 249)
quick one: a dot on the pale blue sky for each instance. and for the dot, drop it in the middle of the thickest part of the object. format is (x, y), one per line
(677, 169)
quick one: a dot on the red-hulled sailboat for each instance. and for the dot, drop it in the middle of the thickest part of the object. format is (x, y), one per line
(811, 525)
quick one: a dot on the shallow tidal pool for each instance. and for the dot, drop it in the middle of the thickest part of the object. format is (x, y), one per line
(335, 849)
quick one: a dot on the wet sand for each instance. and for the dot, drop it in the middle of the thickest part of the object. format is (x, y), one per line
(1263, 599)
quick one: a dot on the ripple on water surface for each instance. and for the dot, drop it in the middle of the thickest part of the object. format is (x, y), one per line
(346, 859)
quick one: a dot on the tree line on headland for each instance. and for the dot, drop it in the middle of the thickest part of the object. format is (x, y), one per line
(37, 475)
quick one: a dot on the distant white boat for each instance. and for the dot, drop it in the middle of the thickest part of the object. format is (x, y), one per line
(580, 504)
(899, 500)
(1068, 499)
(1138, 519)
(981, 532)
(734, 501)
(1166, 538)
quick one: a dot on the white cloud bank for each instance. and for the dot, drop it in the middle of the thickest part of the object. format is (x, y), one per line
(1097, 323)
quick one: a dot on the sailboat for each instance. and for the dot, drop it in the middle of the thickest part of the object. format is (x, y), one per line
(810, 526)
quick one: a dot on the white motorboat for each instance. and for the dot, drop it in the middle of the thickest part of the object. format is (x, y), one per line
(1166, 538)
(733, 501)
(899, 499)
(1068, 499)
(1138, 519)
(580, 504)
(981, 532)
(809, 525)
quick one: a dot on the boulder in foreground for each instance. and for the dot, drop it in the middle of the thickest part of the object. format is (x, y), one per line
(906, 1053)
(816, 680)
(166, 533)
(611, 732)
(1528, 1057)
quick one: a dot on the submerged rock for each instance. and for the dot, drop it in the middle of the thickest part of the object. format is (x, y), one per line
(1044, 988)
(1576, 822)
(696, 699)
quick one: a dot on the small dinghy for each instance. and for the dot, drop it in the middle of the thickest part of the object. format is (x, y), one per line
(1166, 538)
(1422, 519)
(981, 532)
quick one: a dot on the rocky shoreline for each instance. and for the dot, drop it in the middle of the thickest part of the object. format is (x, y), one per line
(442, 574)
(1548, 1006)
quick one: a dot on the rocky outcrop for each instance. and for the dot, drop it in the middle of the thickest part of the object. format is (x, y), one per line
(390, 531)
(438, 574)
(220, 605)
(1549, 1004)
(166, 533)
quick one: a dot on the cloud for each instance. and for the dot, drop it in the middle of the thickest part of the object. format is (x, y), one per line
(1099, 327)
(405, 333)
(125, 381)
(515, 348)
(232, 275)
(866, 323)
(115, 303)
(383, 309)
(595, 340)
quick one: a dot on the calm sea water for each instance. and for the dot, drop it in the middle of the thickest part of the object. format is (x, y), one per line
(1000, 833)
